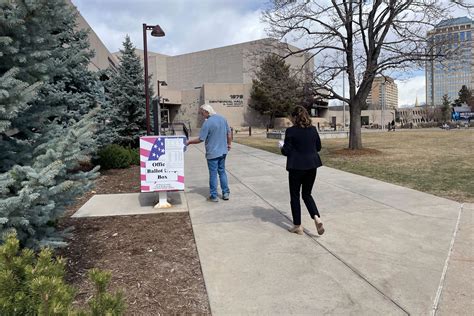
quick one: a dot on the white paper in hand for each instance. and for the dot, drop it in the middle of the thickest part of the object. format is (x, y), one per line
(280, 143)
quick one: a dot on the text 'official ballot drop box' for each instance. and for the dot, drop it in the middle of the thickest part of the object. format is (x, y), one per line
(162, 163)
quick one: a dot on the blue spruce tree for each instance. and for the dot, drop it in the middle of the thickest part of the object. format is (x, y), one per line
(49, 102)
(126, 93)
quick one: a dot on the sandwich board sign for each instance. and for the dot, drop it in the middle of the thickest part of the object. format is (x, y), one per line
(162, 163)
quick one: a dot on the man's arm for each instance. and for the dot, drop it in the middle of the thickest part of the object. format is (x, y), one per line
(229, 140)
(202, 135)
(193, 141)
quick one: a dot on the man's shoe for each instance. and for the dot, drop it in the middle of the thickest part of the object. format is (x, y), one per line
(212, 199)
(225, 196)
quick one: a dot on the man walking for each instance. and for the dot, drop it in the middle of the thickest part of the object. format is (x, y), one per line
(216, 134)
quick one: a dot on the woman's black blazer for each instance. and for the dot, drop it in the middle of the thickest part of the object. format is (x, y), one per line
(301, 148)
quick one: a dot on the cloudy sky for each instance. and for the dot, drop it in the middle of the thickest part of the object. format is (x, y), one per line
(193, 25)
(190, 25)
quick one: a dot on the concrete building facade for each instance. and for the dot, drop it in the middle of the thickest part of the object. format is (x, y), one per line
(223, 77)
(414, 115)
(384, 93)
(452, 40)
(103, 59)
(335, 116)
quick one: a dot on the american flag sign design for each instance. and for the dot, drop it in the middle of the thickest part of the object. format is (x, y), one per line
(157, 150)
(162, 163)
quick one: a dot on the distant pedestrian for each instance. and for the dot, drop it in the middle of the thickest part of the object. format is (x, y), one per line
(393, 125)
(301, 147)
(216, 134)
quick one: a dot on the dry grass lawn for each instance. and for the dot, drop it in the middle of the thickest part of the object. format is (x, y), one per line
(434, 161)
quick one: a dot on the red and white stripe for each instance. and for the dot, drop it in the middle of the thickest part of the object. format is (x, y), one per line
(146, 144)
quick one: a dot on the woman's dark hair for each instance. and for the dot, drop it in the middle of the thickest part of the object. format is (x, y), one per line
(301, 117)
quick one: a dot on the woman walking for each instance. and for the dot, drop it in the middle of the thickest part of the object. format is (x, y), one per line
(301, 147)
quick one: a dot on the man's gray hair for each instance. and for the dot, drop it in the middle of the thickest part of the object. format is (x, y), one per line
(206, 107)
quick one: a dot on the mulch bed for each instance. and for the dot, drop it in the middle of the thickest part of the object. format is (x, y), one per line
(153, 258)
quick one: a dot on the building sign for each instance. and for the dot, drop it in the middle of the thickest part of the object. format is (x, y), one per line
(235, 100)
(162, 163)
(466, 115)
(462, 115)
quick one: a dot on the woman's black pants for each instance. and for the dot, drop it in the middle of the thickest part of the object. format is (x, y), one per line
(302, 180)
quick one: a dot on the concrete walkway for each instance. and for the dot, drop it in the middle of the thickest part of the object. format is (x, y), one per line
(385, 250)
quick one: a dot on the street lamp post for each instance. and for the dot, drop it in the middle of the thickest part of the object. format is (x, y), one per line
(157, 32)
(164, 84)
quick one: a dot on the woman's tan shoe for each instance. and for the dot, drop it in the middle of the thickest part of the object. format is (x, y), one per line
(297, 229)
(319, 226)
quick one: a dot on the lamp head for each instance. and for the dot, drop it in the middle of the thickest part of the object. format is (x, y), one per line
(157, 31)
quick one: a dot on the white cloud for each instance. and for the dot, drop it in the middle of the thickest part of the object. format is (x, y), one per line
(410, 89)
(189, 25)
(192, 25)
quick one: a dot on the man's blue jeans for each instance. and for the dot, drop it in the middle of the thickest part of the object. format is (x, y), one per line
(217, 166)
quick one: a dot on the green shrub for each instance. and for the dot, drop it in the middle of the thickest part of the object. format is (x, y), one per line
(103, 303)
(34, 285)
(135, 155)
(114, 157)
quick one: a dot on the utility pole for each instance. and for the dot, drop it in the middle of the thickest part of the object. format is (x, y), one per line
(344, 95)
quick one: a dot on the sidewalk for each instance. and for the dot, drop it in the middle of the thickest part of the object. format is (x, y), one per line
(383, 253)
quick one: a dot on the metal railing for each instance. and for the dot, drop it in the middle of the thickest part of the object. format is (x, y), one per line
(175, 128)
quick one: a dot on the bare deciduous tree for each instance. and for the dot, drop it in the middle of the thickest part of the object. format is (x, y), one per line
(406, 116)
(361, 38)
(464, 4)
(435, 114)
(373, 111)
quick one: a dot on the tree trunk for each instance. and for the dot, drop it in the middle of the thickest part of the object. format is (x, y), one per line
(355, 137)
(271, 123)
